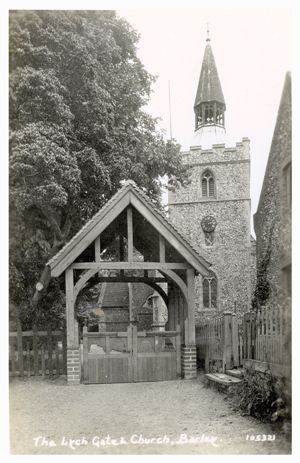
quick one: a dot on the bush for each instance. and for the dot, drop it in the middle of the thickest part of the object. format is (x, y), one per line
(265, 397)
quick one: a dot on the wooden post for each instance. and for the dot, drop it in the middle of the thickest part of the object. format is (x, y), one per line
(70, 308)
(85, 354)
(134, 354)
(35, 351)
(130, 302)
(185, 325)
(162, 249)
(191, 307)
(178, 350)
(98, 251)
(57, 361)
(13, 357)
(121, 253)
(131, 360)
(129, 234)
(107, 344)
(64, 350)
(20, 350)
(227, 353)
(235, 341)
(171, 307)
(43, 361)
(50, 364)
(28, 359)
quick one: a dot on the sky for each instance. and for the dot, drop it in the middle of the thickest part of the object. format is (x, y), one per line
(253, 50)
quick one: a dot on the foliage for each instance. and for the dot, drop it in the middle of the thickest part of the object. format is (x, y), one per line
(264, 396)
(262, 289)
(77, 128)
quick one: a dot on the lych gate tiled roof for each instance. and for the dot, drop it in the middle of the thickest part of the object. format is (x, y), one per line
(87, 226)
(128, 185)
(209, 87)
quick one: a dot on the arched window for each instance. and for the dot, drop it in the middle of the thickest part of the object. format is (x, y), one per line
(210, 292)
(208, 184)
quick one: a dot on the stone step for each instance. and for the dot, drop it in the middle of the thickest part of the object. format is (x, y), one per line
(236, 373)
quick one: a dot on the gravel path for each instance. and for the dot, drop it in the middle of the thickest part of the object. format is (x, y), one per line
(178, 410)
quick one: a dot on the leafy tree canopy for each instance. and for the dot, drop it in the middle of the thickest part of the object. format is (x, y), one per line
(77, 128)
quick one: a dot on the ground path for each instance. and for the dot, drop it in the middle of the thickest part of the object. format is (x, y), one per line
(178, 410)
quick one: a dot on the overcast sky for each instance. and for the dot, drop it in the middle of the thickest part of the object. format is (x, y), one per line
(253, 51)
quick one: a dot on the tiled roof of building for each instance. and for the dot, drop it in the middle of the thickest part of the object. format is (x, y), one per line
(115, 295)
(209, 86)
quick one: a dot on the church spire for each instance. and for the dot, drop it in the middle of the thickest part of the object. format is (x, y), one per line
(209, 104)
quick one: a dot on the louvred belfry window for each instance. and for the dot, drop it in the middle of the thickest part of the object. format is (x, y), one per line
(208, 184)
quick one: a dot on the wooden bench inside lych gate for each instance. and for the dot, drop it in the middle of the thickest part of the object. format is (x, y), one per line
(131, 356)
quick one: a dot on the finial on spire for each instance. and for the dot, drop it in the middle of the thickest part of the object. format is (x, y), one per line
(207, 31)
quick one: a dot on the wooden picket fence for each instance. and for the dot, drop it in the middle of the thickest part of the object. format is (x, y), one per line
(219, 342)
(37, 353)
(258, 340)
(266, 336)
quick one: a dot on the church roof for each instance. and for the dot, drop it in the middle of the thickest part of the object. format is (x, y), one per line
(209, 86)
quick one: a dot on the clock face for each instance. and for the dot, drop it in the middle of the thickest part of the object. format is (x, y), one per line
(208, 223)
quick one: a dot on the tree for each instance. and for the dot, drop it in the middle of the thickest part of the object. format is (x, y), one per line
(77, 128)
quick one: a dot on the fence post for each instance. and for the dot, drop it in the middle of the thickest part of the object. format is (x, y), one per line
(253, 334)
(235, 341)
(57, 360)
(20, 350)
(246, 333)
(35, 351)
(43, 360)
(85, 353)
(227, 346)
(28, 359)
(13, 356)
(49, 339)
(178, 350)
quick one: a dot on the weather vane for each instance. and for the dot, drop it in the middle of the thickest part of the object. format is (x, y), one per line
(207, 31)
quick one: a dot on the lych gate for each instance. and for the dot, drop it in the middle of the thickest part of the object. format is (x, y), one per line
(151, 252)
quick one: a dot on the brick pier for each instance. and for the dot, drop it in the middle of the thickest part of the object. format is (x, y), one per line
(73, 366)
(189, 364)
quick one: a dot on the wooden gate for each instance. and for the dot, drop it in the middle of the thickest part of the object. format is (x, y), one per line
(131, 356)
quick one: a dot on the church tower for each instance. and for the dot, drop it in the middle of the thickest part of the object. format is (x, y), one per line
(213, 211)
